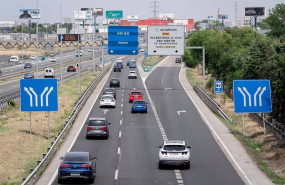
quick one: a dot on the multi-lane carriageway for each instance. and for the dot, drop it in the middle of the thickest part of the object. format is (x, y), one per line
(130, 155)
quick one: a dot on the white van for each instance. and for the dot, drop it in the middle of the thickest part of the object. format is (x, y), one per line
(14, 59)
(49, 73)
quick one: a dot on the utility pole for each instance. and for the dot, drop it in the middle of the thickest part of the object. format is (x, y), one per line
(37, 67)
(155, 7)
(236, 7)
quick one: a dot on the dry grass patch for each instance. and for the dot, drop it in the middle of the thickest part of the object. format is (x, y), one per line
(19, 151)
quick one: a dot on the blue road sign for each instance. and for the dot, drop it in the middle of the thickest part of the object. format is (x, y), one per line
(101, 59)
(145, 54)
(38, 95)
(252, 96)
(218, 87)
(123, 40)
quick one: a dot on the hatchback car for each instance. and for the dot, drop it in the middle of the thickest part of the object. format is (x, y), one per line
(52, 55)
(115, 82)
(77, 165)
(71, 68)
(174, 152)
(33, 58)
(28, 65)
(53, 59)
(132, 65)
(97, 127)
(132, 74)
(107, 101)
(49, 73)
(120, 64)
(117, 68)
(135, 95)
(29, 75)
(110, 91)
(139, 106)
(178, 60)
(131, 61)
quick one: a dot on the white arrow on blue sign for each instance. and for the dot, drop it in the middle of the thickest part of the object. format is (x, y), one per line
(38, 95)
(252, 96)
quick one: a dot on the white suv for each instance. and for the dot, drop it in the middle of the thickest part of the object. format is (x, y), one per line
(132, 74)
(174, 152)
(49, 73)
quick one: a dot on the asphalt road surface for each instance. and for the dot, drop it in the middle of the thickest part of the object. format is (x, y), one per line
(130, 155)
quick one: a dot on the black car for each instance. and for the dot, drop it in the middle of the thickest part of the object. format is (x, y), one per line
(110, 91)
(178, 60)
(120, 64)
(77, 165)
(115, 82)
(29, 75)
(117, 68)
(97, 127)
(28, 65)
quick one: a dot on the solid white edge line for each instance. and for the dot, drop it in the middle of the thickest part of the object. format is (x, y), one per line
(120, 134)
(119, 150)
(121, 122)
(116, 174)
(215, 133)
(75, 138)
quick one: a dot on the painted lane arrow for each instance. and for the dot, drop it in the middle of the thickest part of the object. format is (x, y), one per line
(183, 111)
(105, 111)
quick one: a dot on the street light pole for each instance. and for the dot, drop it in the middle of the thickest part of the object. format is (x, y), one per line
(37, 68)
(79, 66)
(60, 46)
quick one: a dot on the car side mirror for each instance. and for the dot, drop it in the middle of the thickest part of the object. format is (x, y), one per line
(109, 123)
(61, 158)
(159, 146)
(188, 146)
(93, 158)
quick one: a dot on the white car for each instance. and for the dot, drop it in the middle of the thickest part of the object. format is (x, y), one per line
(142, 50)
(14, 59)
(119, 59)
(174, 152)
(107, 101)
(90, 50)
(53, 59)
(49, 73)
(33, 58)
(132, 74)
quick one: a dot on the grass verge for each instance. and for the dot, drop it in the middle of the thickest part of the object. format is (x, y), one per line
(151, 60)
(19, 151)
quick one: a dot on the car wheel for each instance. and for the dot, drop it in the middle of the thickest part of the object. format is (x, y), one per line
(160, 166)
(59, 181)
(145, 112)
(187, 166)
(91, 180)
(107, 137)
(87, 137)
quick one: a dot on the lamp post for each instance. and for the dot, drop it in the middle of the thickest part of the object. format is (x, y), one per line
(60, 44)
(37, 68)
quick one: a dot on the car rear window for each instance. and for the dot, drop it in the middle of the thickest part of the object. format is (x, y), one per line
(114, 80)
(107, 98)
(136, 93)
(109, 90)
(139, 102)
(132, 72)
(174, 147)
(76, 157)
(96, 123)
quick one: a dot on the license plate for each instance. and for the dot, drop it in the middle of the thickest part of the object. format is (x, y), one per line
(75, 174)
(136, 96)
(107, 103)
(173, 153)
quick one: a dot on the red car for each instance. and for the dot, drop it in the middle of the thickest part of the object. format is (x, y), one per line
(71, 68)
(135, 95)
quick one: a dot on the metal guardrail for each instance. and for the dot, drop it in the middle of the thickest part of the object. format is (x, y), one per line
(210, 102)
(35, 174)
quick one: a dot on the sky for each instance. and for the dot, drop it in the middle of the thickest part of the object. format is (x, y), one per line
(182, 9)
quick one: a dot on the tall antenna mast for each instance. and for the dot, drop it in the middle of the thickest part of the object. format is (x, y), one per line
(154, 6)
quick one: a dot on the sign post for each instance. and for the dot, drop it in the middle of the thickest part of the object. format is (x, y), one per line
(123, 40)
(165, 40)
(252, 96)
(38, 95)
(218, 89)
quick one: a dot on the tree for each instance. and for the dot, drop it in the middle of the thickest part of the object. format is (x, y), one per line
(276, 21)
(263, 25)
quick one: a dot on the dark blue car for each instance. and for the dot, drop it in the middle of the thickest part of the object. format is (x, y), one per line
(139, 106)
(77, 165)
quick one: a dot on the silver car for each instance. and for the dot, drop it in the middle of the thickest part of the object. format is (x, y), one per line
(97, 127)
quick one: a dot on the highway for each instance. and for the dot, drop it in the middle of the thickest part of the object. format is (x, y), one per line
(130, 155)
(14, 85)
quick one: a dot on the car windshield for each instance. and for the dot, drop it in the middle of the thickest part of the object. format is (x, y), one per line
(107, 97)
(136, 93)
(76, 157)
(174, 147)
(132, 72)
(114, 80)
(139, 102)
(97, 123)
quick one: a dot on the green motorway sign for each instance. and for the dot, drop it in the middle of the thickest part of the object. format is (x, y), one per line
(114, 14)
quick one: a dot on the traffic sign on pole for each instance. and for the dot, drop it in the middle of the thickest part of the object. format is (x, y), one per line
(252, 96)
(165, 40)
(123, 40)
(218, 87)
(38, 95)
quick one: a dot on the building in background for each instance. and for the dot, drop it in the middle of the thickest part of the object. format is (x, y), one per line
(248, 21)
